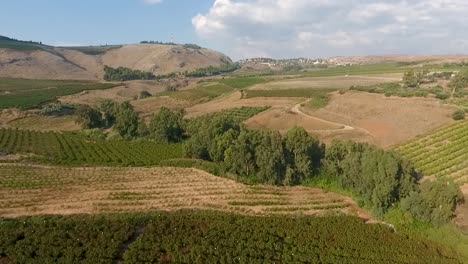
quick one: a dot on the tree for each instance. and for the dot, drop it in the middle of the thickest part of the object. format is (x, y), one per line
(167, 125)
(435, 202)
(240, 156)
(126, 123)
(410, 79)
(304, 153)
(109, 110)
(270, 158)
(88, 117)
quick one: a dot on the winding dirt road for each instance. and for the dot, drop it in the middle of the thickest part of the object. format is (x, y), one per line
(297, 110)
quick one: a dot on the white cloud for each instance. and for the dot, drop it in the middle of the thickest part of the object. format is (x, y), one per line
(152, 2)
(290, 28)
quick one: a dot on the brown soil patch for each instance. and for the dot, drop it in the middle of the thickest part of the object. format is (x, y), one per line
(284, 119)
(334, 82)
(33, 190)
(385, 121)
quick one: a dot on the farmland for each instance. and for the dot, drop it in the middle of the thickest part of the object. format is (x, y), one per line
(200, 237)
(34, 189)
(442, 153)
(74, 149)
(25, 94)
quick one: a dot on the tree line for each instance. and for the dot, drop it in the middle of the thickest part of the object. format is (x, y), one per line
(379, 179)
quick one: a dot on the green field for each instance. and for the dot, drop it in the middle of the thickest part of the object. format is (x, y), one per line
(442, 153)
(300, 92)
(69, 148)
(24, 94)
(209, 237)
(204, 92)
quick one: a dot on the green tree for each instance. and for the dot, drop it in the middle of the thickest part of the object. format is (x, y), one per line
(126, 123)
(167, 125)
(304, 154)
(270, 158)
(88, 117)
(240, 156)
(435, 202)
(109, 110)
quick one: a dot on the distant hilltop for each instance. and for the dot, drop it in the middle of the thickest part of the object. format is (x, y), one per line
(34, 60)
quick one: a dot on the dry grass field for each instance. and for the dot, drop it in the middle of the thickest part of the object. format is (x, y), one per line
(385, 121)
(33, 190)
(45, 123)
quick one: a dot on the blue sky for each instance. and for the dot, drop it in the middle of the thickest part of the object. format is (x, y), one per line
(249, 28)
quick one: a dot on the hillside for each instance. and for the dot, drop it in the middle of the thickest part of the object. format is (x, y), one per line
(32, 60)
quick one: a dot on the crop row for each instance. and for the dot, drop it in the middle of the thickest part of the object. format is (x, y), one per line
(442, 153)
(209, 237)
(73, 149)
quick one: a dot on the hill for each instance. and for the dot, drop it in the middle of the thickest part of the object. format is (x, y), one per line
(33, 60)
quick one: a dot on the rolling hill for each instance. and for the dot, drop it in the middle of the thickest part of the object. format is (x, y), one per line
(33, 60)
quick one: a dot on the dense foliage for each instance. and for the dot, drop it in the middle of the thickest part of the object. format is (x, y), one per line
(379, 178)
(167, 125)
(126, 74)
(458, 115)
(62, 239)
(434, 203)
(210, 71)
(201, 237)
(26, 94)
(88, 117)
(75, 149)
(260, 156)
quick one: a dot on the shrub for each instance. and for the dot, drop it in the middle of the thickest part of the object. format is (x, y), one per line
(458, 115)
(144, 94)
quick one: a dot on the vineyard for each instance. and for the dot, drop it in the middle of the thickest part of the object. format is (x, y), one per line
(442, 153)
(46, 123)
(209, 237)
(25, 94)
(238, 115)
(69, 148)
(31, 190)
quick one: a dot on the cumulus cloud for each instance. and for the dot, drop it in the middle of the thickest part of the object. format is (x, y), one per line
(319, 28)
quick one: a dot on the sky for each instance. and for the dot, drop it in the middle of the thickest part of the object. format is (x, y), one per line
(248, 28)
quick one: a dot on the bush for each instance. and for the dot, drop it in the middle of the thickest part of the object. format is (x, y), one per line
(434, 203)
(458, 115)
(126, 74)
(57, 109)
(88, 117)
(144, 94)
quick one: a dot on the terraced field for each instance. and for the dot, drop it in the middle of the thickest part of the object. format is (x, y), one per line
(443, 153)
(31, 190)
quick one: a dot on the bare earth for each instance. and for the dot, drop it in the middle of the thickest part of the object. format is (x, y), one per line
(385, 121)
(62, 190)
